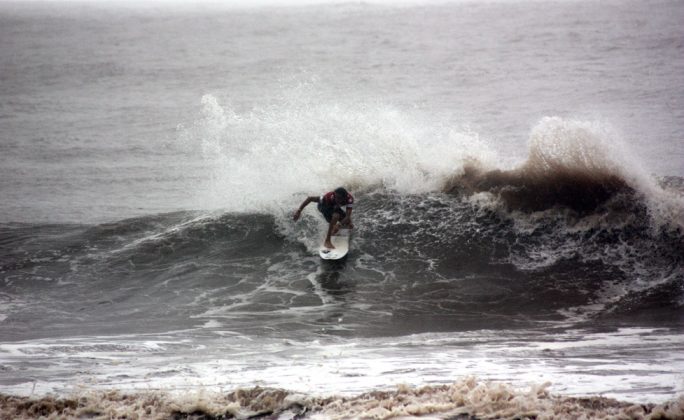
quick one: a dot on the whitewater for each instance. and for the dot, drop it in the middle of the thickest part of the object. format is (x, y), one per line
(518, 249)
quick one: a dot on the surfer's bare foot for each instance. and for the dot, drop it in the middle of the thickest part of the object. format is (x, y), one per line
(328, 245)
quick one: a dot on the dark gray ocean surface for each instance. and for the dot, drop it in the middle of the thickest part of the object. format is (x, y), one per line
(518, 169)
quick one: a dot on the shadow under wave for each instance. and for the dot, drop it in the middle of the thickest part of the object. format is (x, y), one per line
(525, 189)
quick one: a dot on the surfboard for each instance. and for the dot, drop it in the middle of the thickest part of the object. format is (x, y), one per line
(341, 242)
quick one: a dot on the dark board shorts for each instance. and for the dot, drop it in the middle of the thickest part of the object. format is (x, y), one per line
(328, 212)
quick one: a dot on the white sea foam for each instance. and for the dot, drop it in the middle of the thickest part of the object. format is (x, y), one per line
(633, 364)
(269, 155)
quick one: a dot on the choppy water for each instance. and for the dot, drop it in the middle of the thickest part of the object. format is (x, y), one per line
(517, 167)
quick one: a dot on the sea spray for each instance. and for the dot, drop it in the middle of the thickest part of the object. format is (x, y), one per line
(262, 159)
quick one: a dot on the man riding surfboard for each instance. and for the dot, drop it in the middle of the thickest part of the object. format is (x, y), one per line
(336, 206)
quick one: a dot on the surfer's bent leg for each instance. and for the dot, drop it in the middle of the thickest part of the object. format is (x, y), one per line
(341, 216)
(333, 224)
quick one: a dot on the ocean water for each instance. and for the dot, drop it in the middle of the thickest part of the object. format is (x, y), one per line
(518, 250)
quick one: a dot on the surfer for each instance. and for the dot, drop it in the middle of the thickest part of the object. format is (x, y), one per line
(336, 207)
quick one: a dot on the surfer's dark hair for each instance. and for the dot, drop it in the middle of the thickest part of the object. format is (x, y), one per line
(341, 192)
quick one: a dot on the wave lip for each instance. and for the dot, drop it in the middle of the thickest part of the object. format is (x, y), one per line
(581, 166)
(529, 191)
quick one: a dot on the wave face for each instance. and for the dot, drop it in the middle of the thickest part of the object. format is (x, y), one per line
(419, 262)
(458, 264)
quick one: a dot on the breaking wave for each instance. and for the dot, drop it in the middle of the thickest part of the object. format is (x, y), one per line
(578, 166)
(266, 159)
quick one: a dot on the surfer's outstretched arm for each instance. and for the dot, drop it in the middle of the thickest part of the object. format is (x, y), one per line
(298, 213)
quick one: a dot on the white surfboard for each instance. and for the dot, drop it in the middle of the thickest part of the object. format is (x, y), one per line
(341, 243)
